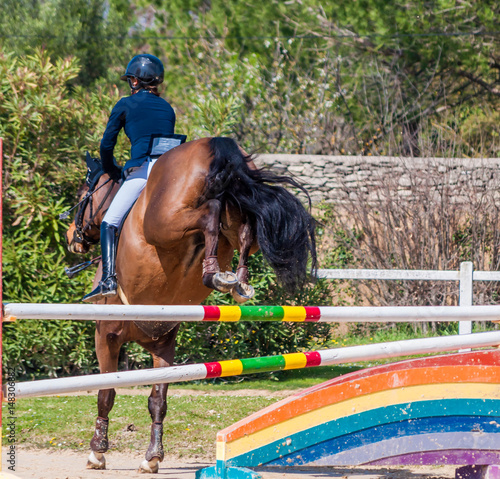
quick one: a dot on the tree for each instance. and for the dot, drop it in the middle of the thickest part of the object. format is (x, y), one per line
(94, 31)
(406, 62)
(405, 75)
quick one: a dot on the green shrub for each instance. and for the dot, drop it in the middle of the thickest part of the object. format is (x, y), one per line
(46, 129)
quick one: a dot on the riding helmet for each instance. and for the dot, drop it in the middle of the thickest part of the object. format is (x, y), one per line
(146, 68)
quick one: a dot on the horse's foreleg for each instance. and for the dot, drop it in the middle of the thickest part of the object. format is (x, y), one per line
(243, 291)
(210, 225)
(107, 350)
(99, 442)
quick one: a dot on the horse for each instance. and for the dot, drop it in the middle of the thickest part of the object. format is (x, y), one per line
(204, 200)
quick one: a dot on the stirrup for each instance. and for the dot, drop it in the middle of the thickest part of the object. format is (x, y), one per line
(104, 289)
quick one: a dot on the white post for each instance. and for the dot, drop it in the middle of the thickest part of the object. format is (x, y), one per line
(466, 293)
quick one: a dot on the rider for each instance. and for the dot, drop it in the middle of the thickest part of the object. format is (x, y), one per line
(149, 122)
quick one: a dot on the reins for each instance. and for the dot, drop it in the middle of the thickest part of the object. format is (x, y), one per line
(79, 216)
(65, 215)
(81, 229)
(79, 236)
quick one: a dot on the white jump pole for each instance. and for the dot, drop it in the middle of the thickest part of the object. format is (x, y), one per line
(337, 314)
(200, 371)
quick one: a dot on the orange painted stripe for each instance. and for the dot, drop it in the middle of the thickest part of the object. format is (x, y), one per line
(300, 404)
(476, 358)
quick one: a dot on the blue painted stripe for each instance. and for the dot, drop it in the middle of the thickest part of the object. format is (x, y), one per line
(398, 414)
(229, 473)
(412, 444)
(361, 446)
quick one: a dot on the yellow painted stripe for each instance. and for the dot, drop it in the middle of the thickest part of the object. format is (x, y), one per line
(220, 451)
(358, 405)
(230, 313)
(295, 360)
(231, 368)
(294, 313)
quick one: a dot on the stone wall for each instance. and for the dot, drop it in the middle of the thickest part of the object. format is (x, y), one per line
(336, 178)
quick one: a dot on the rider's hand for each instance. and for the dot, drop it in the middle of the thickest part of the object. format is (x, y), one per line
(115, 174)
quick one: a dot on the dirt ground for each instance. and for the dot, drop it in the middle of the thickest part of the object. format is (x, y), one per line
(64, 464)
(44, 464)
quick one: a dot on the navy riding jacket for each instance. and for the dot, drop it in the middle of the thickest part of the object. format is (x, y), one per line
(144, 116)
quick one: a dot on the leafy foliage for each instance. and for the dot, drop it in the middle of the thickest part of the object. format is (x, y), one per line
(370, 77)
(46, 132)
(93, 31)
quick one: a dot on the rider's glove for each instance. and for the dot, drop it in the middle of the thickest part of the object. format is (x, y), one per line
(115, 174)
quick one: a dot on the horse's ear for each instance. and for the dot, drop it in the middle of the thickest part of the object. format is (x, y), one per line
(94, 170)
(92, 163)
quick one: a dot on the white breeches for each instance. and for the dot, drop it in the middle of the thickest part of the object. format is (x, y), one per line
(128, 193)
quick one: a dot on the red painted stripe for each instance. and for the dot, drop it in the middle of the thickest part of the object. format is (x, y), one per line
(313, 359)
(212, 313)
(313, 313)
(214, 370)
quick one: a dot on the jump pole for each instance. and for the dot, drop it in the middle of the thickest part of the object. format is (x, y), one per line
(238, 367)
(180, 313)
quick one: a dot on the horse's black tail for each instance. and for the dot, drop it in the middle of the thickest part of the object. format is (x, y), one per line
(284, 228)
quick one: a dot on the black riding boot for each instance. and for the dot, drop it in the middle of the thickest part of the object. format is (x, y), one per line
(107, 286)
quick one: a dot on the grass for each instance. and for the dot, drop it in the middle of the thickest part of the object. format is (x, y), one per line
(190, 427)
(67, 422)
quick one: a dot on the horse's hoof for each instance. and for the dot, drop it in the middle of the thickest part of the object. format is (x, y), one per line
(224, 282)
(242, 292)
(150, 467)
(96, 460)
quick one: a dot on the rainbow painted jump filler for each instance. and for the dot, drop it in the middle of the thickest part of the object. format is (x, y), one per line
(430, 411)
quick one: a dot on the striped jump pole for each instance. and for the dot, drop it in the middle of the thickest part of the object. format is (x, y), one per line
(238, 367)
(178, 313)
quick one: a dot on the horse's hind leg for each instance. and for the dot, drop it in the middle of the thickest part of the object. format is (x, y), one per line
(242, 292)
(107, 349)
(210, 225)
(163, 356)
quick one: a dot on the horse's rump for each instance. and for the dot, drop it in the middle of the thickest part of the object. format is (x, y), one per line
(166, 232)
(283, 227)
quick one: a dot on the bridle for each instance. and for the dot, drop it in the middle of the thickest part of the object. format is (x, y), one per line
(88, 201)
(81, 226)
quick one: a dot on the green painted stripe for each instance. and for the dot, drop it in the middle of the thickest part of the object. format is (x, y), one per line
(262, 313)
(264, 364)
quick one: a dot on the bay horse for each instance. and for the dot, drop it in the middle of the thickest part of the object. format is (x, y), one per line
(203, 200)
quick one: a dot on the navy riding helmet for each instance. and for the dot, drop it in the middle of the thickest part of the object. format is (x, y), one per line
(146, 68)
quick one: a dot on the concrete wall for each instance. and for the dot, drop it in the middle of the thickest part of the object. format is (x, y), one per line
(335, 178)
